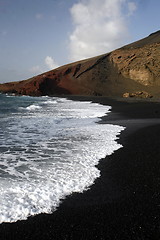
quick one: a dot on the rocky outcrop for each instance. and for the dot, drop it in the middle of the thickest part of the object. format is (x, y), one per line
(139, 64)
(130, 69)
(139, 94)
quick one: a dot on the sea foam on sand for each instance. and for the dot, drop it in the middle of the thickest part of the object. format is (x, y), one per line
(50, 152)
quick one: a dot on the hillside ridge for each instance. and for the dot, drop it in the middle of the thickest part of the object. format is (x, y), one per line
(131, 68)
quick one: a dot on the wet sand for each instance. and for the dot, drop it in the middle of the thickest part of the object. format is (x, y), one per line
(124, 203)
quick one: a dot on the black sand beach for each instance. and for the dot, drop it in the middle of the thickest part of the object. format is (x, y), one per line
(124, 203)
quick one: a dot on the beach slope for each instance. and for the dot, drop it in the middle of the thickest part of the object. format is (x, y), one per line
(124, 203)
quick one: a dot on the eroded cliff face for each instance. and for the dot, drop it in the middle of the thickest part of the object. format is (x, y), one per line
(132, 68)
(139, 64)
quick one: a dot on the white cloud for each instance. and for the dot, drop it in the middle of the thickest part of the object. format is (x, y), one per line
(99, 26)
(50, 63)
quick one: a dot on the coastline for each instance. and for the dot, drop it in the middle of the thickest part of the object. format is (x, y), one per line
(124, 203)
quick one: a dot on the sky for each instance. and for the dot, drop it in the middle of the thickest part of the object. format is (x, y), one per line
(39, 35)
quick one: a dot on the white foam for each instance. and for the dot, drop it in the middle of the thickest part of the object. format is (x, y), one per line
(52, 153)
(50, 102)
(33, 107)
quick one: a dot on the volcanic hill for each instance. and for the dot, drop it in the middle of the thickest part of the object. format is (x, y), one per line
(128, 71)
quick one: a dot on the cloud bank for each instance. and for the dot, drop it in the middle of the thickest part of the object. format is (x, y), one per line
(99, 26)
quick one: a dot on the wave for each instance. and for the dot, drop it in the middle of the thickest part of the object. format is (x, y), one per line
(50, 155)
(50, 102)
(33, 107)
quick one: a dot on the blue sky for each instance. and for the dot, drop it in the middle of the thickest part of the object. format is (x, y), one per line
(39, 35)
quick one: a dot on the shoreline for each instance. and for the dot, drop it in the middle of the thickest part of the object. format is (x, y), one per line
(124, 203)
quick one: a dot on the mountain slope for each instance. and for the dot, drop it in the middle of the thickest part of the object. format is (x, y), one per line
(134, 67)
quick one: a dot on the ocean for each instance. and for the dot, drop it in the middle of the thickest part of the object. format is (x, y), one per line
(49, 148)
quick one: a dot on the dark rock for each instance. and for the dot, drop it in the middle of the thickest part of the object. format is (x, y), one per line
(139, 94)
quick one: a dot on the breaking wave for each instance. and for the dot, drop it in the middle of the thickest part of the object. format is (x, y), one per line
(50, 151)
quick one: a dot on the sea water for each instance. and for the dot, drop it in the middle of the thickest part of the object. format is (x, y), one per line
(49, 148)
